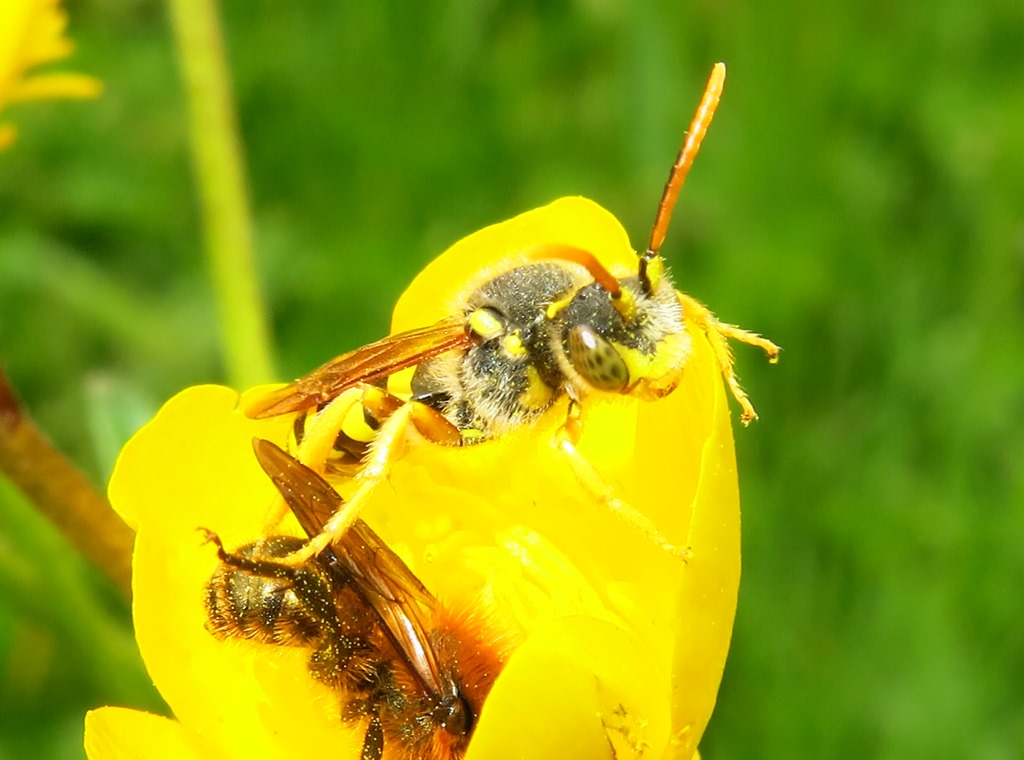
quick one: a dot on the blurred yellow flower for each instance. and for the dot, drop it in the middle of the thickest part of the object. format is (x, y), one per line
(31, 34)
(623, 646)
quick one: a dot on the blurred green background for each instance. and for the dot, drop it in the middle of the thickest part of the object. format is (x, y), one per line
(859, 199)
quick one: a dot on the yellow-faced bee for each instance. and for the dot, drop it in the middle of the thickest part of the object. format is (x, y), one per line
(415, 673)
(546, 324)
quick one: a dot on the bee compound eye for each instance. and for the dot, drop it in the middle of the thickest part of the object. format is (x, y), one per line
(596, 359)
(455, 717)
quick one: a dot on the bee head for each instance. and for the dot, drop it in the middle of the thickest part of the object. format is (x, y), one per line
(454, 714)
(630, 339)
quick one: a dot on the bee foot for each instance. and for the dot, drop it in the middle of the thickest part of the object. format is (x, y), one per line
(209, 537)
(678, 552)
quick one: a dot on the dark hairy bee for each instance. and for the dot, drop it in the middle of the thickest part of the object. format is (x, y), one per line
(415, 674)
(550, 325)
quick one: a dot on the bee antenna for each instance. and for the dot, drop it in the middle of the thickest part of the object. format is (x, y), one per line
(691, 144)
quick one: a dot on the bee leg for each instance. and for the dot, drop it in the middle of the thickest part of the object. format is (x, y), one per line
(429, 422)
(263, 568)
(566, 439)
(386, 449)
(719, 334)
(373, 742)
(317, 441)
(321, 433)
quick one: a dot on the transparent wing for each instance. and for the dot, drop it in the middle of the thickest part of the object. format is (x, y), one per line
(363, 365)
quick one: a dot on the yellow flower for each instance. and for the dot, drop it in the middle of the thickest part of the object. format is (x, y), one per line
(31, 34)
(623, 645)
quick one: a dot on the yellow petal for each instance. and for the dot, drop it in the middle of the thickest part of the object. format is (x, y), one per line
(31, 33)
(707, 592)
(192, 467)
(116, 733)
(43, 86)
(577, 683)
(672, 459)
(571, 221)
(623, 644)
(15, 21)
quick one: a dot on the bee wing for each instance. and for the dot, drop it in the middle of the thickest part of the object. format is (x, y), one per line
(365, 562)
(364, 365)
(399, 598)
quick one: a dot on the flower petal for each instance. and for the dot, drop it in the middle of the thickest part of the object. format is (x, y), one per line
(44, 86)
(623, 644)
(578, 687)
(672, 459)
(571, 221)
(192, 467)
(117, 733)
(31, 33)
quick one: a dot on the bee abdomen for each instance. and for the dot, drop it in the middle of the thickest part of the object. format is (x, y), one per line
(243, 605)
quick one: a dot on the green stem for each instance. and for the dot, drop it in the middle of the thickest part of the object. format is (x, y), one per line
(225, 205)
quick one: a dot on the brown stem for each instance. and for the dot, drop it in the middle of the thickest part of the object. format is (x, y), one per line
(61, 492)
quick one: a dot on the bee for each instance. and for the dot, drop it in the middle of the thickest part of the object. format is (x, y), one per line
(415, 673)
(549, 325)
